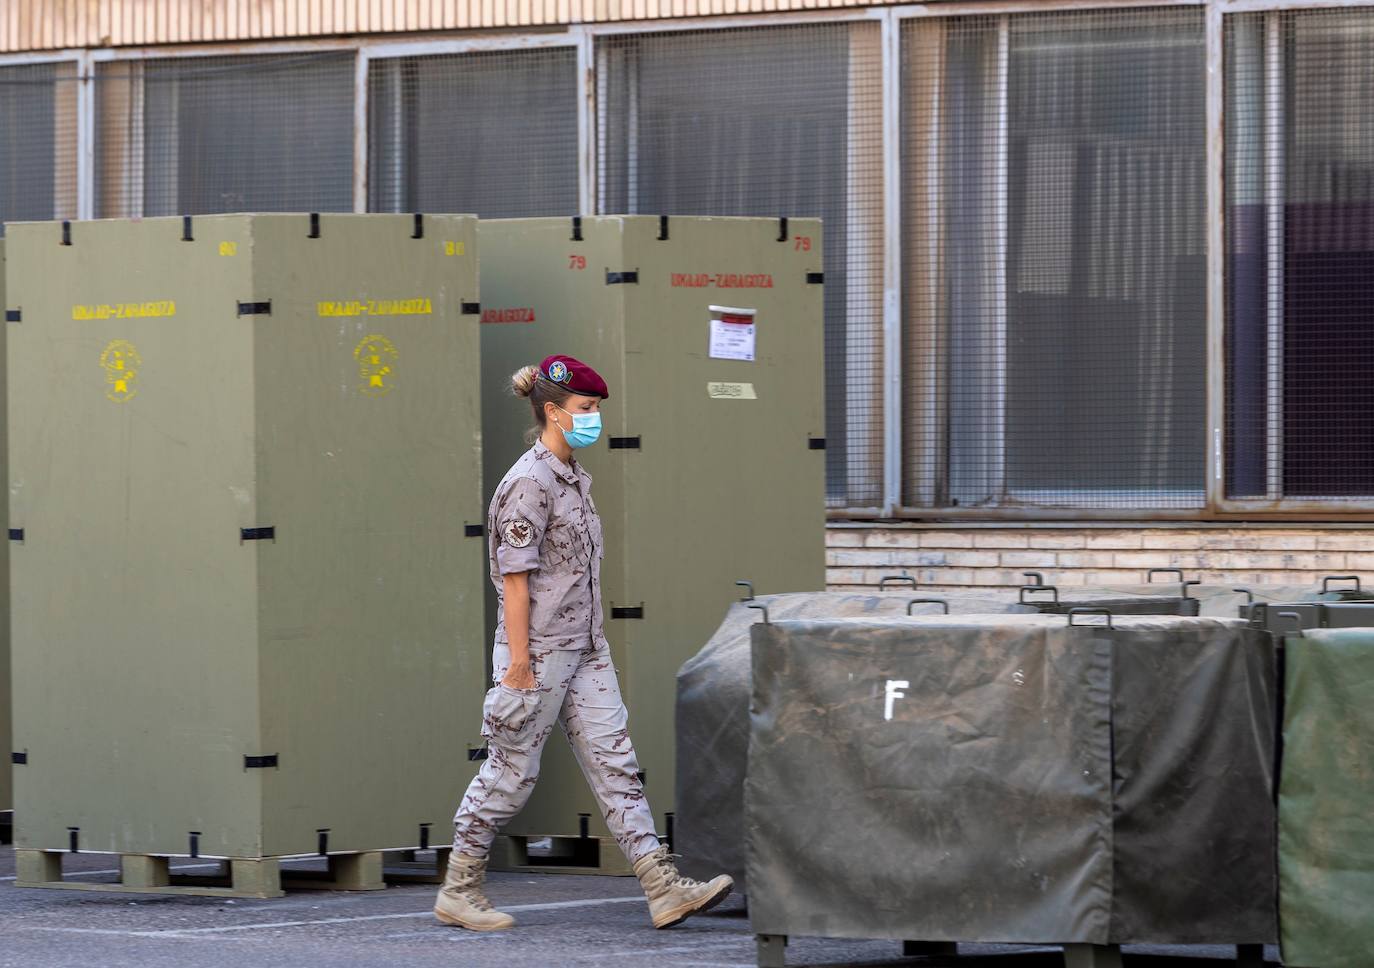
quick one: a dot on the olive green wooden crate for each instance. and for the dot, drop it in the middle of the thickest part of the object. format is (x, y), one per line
(709, 470)
(6, 783)
(247, 614)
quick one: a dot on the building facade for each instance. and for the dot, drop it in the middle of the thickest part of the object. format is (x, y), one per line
(1096, 273)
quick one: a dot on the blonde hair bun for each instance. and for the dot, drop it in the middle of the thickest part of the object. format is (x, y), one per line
(522, 380)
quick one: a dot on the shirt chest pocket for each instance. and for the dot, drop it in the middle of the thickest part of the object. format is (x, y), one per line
(567, 544)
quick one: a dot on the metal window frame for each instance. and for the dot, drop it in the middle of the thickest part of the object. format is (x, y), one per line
(885, 227)
(1274, 504)
(582, 37)
(1020, 503)
(365, 49)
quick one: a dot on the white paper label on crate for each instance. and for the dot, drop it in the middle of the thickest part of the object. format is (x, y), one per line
(731, 391)
(732, 333)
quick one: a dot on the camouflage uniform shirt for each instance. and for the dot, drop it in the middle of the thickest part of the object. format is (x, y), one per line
(542, 521)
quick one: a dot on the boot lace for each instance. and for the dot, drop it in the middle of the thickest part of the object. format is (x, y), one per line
(477, 899)
(671, 876)
(472, 892)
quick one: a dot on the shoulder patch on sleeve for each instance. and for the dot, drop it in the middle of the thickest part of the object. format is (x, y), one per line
(517, 533)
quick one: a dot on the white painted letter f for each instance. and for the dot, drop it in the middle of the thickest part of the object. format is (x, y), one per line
(894, 692)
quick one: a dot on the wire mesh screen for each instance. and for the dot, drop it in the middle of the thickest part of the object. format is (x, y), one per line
(492, 133)
(37, 142)
(197, 135)
(1054, 247)
(1300, 255)
(768, 122)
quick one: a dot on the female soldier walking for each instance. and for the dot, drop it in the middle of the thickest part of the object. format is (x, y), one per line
(552, 661)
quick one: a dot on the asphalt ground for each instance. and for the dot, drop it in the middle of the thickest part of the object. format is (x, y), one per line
(561, 920)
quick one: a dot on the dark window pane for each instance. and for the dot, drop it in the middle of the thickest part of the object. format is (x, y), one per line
(494, 134)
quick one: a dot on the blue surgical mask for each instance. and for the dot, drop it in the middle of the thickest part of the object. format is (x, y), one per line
(586, 429)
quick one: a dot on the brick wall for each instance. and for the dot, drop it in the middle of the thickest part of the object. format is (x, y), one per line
(970, 556)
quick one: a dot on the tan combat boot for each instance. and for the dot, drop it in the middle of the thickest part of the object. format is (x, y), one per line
(674, 898)
(461, 901)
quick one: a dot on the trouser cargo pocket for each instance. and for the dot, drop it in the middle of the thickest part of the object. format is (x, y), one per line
(508, 715)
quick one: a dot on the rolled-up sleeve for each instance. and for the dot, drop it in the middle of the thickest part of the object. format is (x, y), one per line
(522, 513)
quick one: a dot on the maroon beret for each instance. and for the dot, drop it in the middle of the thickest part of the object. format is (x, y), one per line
(574, 375)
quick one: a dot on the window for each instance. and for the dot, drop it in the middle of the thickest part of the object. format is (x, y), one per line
(198, 135)
(769, 122)
(1300, 256)
(37, 142)
(1054, 246)
(493, 133)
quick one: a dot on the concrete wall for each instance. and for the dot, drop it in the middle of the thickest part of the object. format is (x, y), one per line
(981, 555)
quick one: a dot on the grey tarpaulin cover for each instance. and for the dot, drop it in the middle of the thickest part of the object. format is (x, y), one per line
(1326, 840)
(713, 717)
(1035, 782)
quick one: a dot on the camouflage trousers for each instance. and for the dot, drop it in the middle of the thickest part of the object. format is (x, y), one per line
(577, 689)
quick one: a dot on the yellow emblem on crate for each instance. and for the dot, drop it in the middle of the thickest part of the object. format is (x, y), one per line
(121, 363)
(376, 358)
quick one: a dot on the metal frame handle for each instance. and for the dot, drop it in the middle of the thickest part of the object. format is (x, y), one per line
(1297, 621)
(1090, 611)
(749, 585)
(1025, 589)
(762, 608)
(1038, 576)
(882, 582)
(1326, 582)
(1188, 584)
(1249, 595)
(1150, 575)
(927, 601)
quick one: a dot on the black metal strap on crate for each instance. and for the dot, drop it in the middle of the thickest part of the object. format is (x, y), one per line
(19, 759)
(260, 762)
(474, 530)
(472, 309)
(815, 278)
(314, 232)
(14, 315)
(624, 443)
(782, 229)
(193, 837)
(476, 753)
(576, 229)
(419, 231)
(258, 534)
(186, 234)
(622, 278)
(815, 443)
(16, 534)
(324, 841)
(66, 232)
(627, 611)
(663, 228)
(255, 308)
